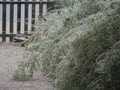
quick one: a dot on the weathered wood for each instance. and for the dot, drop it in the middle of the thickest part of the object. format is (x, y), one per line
(18, 27)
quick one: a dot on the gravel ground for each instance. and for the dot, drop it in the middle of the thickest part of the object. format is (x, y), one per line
(10, 56)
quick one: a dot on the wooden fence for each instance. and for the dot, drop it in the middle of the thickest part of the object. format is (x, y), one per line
(19, 17)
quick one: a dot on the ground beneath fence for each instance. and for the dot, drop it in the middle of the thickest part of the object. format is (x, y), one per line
(10, 55)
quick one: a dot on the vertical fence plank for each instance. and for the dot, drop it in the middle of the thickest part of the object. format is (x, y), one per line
(26, 19)
(19, 18)
(33, 16)
(30, 18)
(11, 20)
(7, 22)
(36, 10)
(36, 14)
(44, 8)
(1, 22)
(4, 22)
(22, 17)
(15, 19)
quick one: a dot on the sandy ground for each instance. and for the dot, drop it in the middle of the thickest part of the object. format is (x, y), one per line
(10, 56)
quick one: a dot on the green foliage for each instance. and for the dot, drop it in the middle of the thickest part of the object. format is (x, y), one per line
(108, 77)
(25, 69)
(22, 74)
(68, 45)
(66, 3)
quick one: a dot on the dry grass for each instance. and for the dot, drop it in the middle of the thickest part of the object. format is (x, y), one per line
(67, 43)
(10, 56)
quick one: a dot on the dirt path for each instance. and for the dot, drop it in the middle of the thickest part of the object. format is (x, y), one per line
(9, 57)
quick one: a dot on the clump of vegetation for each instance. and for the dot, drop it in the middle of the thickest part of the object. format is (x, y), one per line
(26, 69)
(107, 69)
(66, 3)
(24, 72)
(75, 47)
